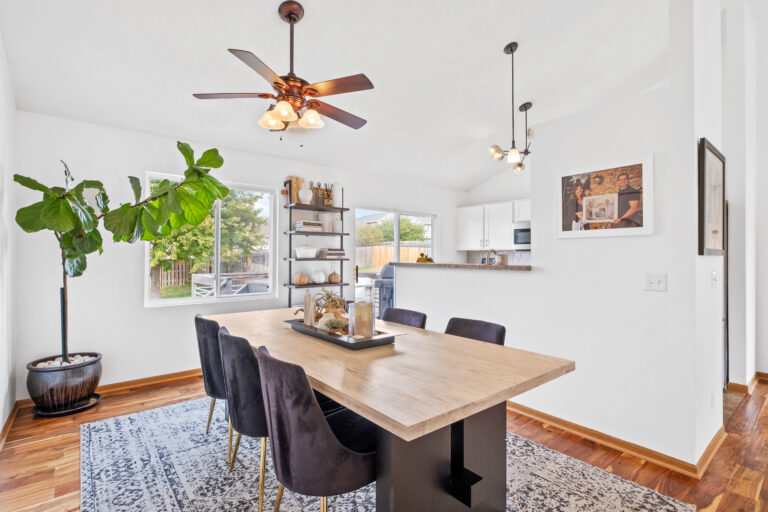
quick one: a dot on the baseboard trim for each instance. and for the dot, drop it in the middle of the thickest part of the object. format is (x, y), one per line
(680, 466)
(749, 388)
(7, 425)
(133, 385)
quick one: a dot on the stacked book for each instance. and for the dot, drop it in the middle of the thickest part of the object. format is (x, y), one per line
(309, 225)
(331, 253)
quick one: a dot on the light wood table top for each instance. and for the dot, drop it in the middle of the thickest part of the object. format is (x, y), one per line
(425, 381)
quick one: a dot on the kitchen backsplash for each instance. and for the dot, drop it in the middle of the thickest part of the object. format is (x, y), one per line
(513, 257)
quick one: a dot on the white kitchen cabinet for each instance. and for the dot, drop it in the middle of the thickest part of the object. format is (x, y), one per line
(490, 226)
(499, 229)
(470, 228)
(522, 210)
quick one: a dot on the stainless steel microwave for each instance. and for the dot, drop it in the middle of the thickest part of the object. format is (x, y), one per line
(522, 236)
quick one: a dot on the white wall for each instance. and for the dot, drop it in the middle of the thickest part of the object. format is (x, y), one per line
(505, 185)
(7, 110)
(106, 304)
(648, 365)
(762, 206)
(739, 139)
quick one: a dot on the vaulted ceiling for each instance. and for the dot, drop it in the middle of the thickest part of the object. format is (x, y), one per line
(441, 93)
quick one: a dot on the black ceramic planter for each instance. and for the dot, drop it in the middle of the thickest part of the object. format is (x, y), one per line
(62, 390)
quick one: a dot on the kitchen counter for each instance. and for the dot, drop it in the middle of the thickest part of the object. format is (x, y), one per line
(463, 266)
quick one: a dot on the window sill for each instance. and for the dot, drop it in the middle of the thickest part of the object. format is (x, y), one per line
(162, 303)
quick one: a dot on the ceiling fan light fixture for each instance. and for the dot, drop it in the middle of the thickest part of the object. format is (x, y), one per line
(269, 121)
(311, 120)
(284, 111)
(496, 152)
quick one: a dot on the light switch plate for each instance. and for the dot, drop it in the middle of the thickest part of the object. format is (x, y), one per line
(655, 283)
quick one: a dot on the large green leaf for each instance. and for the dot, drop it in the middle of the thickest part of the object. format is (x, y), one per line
(66, 242)
(195, 212)
(30, 183)
(138, 229)
(102, 201)
(30, 218)
(58, 215)
(186, 150)
(121, 222)
(176, 221)
(88, 243)
(84, 212)
(211, 158)
(200, 192)
(75, 266)
(214, 186)
(173, 202)
(136, 186)
(150, 225)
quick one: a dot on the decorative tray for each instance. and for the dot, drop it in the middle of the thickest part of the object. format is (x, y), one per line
(380, 338)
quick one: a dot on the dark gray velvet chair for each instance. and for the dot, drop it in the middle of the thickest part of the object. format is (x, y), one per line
(246, 404)
(210, 362)
(313, 454)
(405, 317)
(477, 330)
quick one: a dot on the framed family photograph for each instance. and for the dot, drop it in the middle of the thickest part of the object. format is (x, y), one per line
(711, 199)
(610, 199)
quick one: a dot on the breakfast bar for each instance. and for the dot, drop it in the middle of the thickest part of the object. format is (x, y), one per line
(438, 399)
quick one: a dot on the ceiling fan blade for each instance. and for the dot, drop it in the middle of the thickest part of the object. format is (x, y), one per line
(342, 116)
(351, 83)
(258, 66)
(227, 95)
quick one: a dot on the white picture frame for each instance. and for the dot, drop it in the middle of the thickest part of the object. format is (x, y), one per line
(600, 181)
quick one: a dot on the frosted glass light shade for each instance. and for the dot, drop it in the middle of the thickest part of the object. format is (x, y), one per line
(513, 156)
(269, 121)
(311, 120)
(496, 152)
(284, 111)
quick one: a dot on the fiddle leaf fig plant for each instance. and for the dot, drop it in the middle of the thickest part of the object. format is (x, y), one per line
(74, 220)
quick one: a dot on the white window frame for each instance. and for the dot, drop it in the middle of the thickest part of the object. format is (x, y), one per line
(396, 234)
(216, 298)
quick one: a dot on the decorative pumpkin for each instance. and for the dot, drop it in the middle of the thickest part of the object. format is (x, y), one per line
(318, 277)
(334, 277)
(301, 278)
(424, 259)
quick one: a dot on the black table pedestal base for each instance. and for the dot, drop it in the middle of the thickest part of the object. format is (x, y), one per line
(416, 476)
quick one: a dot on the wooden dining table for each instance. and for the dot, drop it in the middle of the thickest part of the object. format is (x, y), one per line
(438, 399)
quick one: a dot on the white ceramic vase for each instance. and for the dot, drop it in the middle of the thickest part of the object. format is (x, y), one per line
(338, 196)
(305, 194)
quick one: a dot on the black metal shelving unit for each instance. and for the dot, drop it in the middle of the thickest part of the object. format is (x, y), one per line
(292, 232)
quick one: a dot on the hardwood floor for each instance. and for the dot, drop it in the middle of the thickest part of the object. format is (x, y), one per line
(40, 462)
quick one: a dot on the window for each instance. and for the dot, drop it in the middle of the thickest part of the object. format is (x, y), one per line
(229, 256)
(383, 236)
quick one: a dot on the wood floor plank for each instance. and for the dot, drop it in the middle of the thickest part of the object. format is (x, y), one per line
(40, 466)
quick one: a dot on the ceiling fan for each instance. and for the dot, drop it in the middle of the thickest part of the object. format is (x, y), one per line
(295, 96)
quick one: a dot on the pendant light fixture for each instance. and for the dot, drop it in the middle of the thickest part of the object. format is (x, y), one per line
(513, 155)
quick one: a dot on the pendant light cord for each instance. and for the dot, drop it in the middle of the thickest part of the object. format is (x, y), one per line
(513, 99)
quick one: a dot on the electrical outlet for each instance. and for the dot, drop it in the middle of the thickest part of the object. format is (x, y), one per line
(655, 283)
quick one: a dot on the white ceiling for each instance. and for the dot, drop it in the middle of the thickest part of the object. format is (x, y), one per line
(441, 93)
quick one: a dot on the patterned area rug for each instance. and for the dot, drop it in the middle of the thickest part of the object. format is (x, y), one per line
(161, 460)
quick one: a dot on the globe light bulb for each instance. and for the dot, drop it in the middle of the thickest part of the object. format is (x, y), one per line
(284, 111)
(311, 120)
(519, 168)
(513, 155)
(269, 122)
(496, 152)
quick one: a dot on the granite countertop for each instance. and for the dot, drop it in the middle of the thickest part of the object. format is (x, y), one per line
(463, 266)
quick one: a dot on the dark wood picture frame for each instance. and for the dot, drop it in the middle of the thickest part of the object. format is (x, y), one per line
(707, 151)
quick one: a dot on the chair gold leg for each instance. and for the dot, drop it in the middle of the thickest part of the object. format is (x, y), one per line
(323, 504)
(210, 415)
(229, 443)
(234, 453)
(279, 497)
(262, 470)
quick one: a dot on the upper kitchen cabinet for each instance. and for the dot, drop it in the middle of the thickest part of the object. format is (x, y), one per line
(499, 220)
(523, 210)
(490, 226)
(470, 228)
